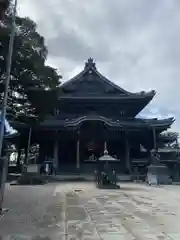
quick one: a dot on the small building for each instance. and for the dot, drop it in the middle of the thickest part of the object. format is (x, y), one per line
(91, 110)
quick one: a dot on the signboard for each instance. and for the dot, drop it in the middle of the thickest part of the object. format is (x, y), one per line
(48, 161)
(32, 168)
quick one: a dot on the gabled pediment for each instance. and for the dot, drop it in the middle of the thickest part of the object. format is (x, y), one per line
(91, 82)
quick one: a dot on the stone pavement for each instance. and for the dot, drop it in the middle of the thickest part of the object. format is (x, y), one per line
(135, 212)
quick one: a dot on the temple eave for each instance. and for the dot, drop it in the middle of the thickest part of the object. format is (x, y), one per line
(140, 95)
(135, 124)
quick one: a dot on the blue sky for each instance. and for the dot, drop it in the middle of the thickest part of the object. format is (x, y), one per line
(135, 43)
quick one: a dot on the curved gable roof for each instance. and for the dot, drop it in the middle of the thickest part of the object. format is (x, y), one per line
(91, 77)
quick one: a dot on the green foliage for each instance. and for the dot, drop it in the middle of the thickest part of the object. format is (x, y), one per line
(28, 72)
(4, 4)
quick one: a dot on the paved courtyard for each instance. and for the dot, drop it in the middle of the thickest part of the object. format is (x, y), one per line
(80, 211)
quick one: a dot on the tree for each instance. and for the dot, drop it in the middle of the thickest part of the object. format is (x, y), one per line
(32, 81)
(3, 7)
(29, 71)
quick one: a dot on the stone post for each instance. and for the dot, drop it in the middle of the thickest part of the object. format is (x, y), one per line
(154, 138)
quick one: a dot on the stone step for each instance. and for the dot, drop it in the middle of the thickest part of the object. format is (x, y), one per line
(84, 177)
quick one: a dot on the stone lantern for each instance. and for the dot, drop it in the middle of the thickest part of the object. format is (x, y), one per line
(157, 173)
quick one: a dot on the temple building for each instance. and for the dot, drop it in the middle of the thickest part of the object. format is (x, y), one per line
(91, 111)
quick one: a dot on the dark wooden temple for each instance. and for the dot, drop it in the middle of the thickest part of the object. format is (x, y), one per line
(91, 111)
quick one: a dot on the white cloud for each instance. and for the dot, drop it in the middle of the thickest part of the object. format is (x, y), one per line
(135, 43)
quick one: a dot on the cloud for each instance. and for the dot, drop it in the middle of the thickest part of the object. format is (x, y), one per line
(135, 43)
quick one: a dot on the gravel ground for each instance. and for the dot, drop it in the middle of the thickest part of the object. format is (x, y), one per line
(33, 210)
(80, 211)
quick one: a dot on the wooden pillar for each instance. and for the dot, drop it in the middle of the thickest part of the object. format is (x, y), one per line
(128, 164)
(78, 150)
(56, 151)
(77, 154)
(154, 139)
(177, 145)
(41, 153)
(18, 162)
(27, 150)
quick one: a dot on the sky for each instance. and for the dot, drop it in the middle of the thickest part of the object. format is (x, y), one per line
(135, 43)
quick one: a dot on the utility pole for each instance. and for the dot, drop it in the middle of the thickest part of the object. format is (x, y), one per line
(5, 99)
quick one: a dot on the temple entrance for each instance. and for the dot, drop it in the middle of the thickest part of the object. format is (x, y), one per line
(79, 151)
(92, 137)
(67, 156)
(90, 151)
(117, 149)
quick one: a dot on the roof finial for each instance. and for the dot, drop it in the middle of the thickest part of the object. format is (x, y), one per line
(90, 63)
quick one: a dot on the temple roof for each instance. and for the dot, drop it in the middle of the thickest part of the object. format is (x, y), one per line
(90, 87)
(168, 139)
(76, 121)
(91, 83)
